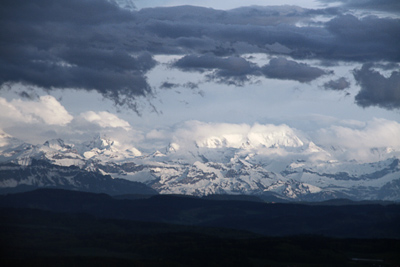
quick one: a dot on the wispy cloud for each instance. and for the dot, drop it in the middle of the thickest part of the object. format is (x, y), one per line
(374, 133)
(105, 119)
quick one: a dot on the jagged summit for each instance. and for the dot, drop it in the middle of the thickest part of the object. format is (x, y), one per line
(66, 154)
(58, 144)
(172, 148)
(104, 149)
(98, 142)
(8, 141)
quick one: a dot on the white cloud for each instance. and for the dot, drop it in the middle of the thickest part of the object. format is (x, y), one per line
(46, 110)
(46, 118)
(373, 140)
(211, 134)
(369, 141)
(158, 134)
(216, 135)
(270, 134)
(105, 119)
(375, 133)
(9, 113)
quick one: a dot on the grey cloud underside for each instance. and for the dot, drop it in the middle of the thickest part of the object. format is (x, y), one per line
(94, 45)
(227, 33)
(168, 85)
(376, 89)
(26, 95)
(191, 85)
(339, 84)
(237, 70)
(73, 44)
(281, 68)
(231, 70)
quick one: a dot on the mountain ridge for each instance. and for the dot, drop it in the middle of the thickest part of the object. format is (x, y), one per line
(334, 219)
(296, 171)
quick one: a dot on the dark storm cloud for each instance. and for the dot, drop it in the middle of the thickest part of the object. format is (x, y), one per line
(72, 44)
(281, 68)
(195, 30)
(89, 44)
(376, 89)
(365, 39)
(231, 70)
(210, 35)
(339, 84)
(252, 15)
(198, 30)
(233, 65)
(237, 70)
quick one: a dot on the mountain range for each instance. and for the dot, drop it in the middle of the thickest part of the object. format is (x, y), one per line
(274, 165)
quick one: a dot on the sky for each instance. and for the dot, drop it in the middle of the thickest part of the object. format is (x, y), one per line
(144, 72)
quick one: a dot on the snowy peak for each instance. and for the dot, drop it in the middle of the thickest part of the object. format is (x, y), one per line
(262, 159)
(273, 136)
(157, 154)
(172, 148)
(98, 143)
(4, 138)
(317, 153)
(61, 153)
(104, 149)
(58, 144)
(257, 136)
(313, 148)
(7, 141)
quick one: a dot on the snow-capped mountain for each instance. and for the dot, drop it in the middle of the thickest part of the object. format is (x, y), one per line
(64, 165)
(273, 162)
(41, 173)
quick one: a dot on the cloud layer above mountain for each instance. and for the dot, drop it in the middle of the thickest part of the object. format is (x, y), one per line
(46, 119)
(351, 139)
(94, 45)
